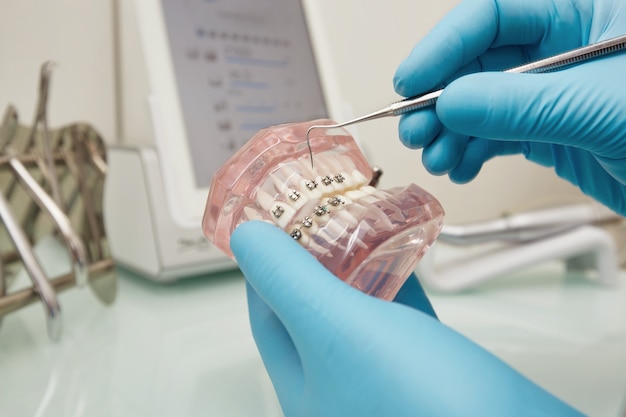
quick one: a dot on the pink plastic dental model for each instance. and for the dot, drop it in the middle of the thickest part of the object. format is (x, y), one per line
(370, 238)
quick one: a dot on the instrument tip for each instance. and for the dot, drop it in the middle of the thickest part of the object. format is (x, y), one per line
(308, 143)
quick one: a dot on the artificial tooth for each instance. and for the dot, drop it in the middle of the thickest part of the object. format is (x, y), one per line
(279, 183)
(311, 184)
(338, 186)
(320, 184)
(359, 178)
(291, 176)
(313, 230)
(265, 200)
(333, 230)
(381, 194)
(384, 220)
(322, 161)
(320, 210)
(370, 190)
(347, 182)
(295, 199)
(347, 217)
(319, 220)
(341, 162)
(359, 193)
(373, 195)
(309, 190)
(313, 245)
(278, 211)
(343, 181)
(286, 215)
(252, 214)
(368, 199)
(326, 184)
(356, 240)
(334, 201)
(304, 168)
(368, 229)
(294, 195)
(309, 238)
(380, 220)
(345, 200)
(288, 181)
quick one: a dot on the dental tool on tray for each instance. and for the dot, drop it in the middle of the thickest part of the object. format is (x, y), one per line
(550, 64)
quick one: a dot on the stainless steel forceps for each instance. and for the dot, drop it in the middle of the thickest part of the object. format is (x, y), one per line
(553, 63)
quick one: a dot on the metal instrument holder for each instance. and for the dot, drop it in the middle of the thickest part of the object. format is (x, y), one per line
(51, 185)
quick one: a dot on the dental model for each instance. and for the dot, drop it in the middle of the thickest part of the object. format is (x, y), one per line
(370, 238)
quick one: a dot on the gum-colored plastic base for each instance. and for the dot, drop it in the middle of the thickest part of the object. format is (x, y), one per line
(370, 238)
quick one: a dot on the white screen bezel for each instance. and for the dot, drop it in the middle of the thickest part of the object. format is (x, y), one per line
(186, 201)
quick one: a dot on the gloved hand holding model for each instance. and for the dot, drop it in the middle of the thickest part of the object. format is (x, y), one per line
(331, 350)
(573, 120)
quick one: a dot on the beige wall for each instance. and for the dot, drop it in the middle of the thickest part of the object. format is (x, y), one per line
(77, 35)
(367, 39)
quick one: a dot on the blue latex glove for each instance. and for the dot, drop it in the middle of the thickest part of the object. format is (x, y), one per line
(331, 350)
(573, 120)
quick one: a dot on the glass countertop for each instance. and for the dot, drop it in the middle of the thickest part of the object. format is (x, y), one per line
(185, 349)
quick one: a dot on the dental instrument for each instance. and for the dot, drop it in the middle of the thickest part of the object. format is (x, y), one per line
(554, 63)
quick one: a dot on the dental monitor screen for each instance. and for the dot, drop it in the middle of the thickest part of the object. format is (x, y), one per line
(239, 66)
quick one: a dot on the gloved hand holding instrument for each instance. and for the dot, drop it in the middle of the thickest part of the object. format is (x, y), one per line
(573, 120)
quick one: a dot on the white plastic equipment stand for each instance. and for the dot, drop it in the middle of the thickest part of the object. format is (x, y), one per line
(582, 247)
(144, 237)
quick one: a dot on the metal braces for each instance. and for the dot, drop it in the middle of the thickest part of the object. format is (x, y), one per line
(319, 211)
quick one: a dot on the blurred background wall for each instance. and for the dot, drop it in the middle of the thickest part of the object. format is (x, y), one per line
(364, 40)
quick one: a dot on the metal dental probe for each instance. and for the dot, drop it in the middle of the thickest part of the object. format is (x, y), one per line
(550, 64)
